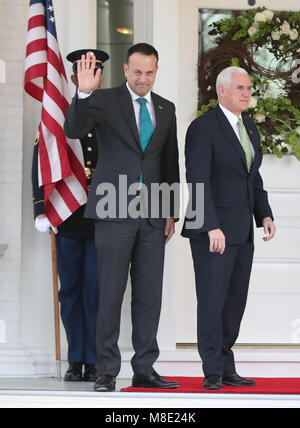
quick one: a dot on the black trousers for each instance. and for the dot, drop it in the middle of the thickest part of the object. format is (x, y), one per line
(135, 245)
(222, 283)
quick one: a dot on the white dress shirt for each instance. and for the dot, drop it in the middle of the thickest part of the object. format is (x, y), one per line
(233, 120)
(136, 105)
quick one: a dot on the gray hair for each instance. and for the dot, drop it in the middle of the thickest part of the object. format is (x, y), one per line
(224, 77)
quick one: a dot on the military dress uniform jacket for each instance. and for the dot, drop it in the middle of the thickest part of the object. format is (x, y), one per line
(76, 226)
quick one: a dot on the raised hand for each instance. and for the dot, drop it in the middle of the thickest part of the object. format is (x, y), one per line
(87, 79)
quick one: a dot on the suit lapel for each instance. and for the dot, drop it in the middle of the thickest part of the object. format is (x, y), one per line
(231, 135)
(159, 114)
(256, 145)
(128, 112)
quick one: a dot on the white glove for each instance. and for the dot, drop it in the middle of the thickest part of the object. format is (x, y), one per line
(42, 224)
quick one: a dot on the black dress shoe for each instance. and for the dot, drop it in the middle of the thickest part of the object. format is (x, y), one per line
(233, 379)
(153, 380)
(74, 373)
(213, 382)
(90, 373)
(105, 383)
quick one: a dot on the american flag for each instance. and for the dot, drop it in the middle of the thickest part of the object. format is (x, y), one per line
(61, 163)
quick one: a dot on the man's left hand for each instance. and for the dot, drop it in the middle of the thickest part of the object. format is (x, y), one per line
(269, 228)
(169, 229)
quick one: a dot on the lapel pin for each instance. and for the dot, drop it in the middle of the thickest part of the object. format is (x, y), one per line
(160, 107)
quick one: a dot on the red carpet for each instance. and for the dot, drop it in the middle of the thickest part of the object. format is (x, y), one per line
(263, 386)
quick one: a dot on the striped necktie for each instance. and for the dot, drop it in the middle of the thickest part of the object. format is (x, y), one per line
(245, 143)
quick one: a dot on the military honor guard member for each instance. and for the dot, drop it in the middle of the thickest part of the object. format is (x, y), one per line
(76, 257)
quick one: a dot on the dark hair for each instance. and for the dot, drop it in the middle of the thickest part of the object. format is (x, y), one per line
(142, 48)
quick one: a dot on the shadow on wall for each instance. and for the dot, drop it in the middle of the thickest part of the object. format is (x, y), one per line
(2, 71)
(2, 331)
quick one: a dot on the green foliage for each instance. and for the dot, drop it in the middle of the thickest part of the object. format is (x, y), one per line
(277, 119)
(260, 27)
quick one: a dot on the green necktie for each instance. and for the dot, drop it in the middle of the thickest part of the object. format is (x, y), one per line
(245, 143)
(146, 127)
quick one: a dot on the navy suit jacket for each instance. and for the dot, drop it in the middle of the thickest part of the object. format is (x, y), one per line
(215, 157)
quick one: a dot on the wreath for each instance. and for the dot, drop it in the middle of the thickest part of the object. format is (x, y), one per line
(238, 41)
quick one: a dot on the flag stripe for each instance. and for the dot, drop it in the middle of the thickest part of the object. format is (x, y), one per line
(36, 58)
(38, 70)
(36, 9)
(36, 34)
(58, 202)
(69, 198)
(75, 166)
(54, 60)
(35, 46)
(45, 170)
(36, 21)
(51, 125)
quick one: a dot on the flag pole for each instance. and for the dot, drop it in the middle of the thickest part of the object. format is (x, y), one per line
(56, 305)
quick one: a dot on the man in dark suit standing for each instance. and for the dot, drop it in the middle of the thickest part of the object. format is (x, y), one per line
(136, 131)
(223, 152)
(76, 257)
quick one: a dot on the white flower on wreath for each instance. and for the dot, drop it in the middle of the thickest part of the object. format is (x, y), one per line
(253, 102)
(268, 94)
(269, 14)
(260, 117)
(285, 28)
(294, 34)
(260, 17)
(278, 138)
(253, 30)
(276, 35)
(285, 146)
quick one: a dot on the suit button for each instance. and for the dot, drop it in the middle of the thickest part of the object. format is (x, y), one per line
(89, 149)
(90, 135)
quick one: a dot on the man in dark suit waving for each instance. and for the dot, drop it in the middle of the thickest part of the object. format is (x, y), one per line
(137, 144)
(223, 152)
